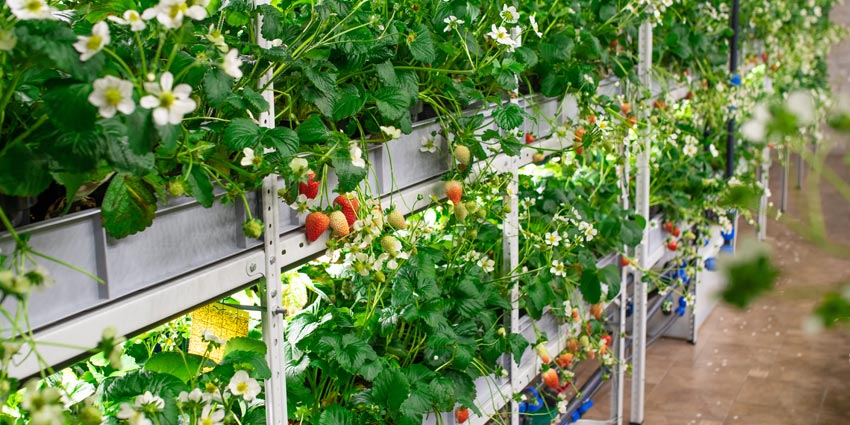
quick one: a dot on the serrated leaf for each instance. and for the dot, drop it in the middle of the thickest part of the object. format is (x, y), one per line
(241, 133)
(589, 285)
(127, 387)
(182, 366)
(390, 389)
(337, 415)
(217, 86)
(245, 344)
(386, 73)
(69, 108)
(273, 21)
(256, 102)
(392, 102)
(257, 362)
(349, 101)
(349, 175)
(322, 80)
(282, 139)
(199, 185)
(313, 130)
(23, 172)
(508, 117)
(518, 344)
(610, 275)
(124, 156)
(128, 207)
(422, 45)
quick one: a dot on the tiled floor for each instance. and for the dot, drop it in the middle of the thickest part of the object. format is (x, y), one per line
(758, 366)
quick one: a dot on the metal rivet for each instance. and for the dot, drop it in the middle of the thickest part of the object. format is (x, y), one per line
(252, 267)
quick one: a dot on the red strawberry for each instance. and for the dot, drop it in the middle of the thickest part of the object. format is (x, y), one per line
(624, 261)
(676, 231)
(613, 43)
(565, 360)
(606, 339)
(461, 415)
(596, 310)
(673, 245)
(529, 138)
(572, 345)
(550, 378)
(454, 191)
(625, 108)
(349, 207)
(579, 134)
(310, 188)
(592, 119)
(579, 150)
(659, 104)
(632, 121)
(339, 223)
(317, 223)
(668, 227)
(690, 95)
(764, 57)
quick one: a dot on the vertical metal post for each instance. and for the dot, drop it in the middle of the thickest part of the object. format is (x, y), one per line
(510, 253)
(642, 251)
(733, 68)
(786, 167)
(765, 181)
(799, 163)
(276, 412)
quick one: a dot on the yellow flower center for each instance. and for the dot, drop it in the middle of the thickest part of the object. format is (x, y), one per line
(113, 96)
(177, 9)
(210, 388)
(206, 421)
(167, 99)
(33, 6)
(257, 160)
(94, 42)
(242, 387)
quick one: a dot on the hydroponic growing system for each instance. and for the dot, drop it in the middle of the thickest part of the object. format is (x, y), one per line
(194, 254)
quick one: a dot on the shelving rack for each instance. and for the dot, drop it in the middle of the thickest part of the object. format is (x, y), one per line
(180, 263)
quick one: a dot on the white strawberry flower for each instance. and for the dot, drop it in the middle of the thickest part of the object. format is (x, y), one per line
(690, 150)
(391, 132)
(250, 157)
(452, 22)
(209, 336)
(149, 403)
(169, 103)
(170, 13)
(243, 385)
(26, 10)
(500, 35)
(427, 145)
(232, 63)
(509, 14)
(587, 230)
(216, 38)
(558, 268)
(89, 46)
(111, 95)
(211, 415)
(534, 27)
(356, 155)
(196, 396)
(487, 264)
(131, 18)
(132, 416)
(552, 238)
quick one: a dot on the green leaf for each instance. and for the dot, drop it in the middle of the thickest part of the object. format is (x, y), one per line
(125, 389)
(282, 139)
(631, 231)
(23, 172)
(273, 22)
(422, 45)
(69, 107)
(589, 285)
(217, 86)
(510, 145)
(313, 130)
(136, 158)
(390, 388)
(348, 102)
(128, 207)
(337, 415)
(252, 362)
(349, 175)
(199, 185)
(256, 102)
(749, 275)
(610, 275)
(322, 80)
(181, 365)
(518, 344)
(508, 117)
(386, 73)
(245, 344)
(392, 102)
(241, 133)
(78, 151)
